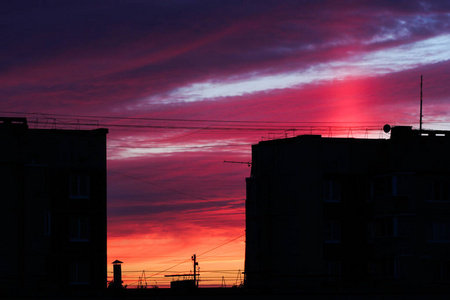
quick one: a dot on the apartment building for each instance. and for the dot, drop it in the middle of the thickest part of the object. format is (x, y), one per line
(329, 213)
(53, 214)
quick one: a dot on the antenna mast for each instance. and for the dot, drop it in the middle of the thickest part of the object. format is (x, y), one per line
(421, 80)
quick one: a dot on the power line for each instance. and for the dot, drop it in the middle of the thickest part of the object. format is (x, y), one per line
(176, 265)
(189, 120)
(228, 125)
(170, 268)
(232, 240)
(213, 128)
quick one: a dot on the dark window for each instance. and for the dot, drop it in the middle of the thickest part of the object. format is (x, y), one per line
(47, 223)
(438, 232)
(440, 190)
(333, 270)
(332, 231)
(385, 227)
(370, 231)
(79, 229)
(331, 190)
(441, 271)
(79, 272)
(384, 186)
(79, 187)
(384, 268)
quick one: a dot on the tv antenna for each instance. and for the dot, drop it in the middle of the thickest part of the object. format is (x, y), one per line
(142, 282)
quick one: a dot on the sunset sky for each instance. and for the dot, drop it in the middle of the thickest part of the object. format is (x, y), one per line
(184, 85)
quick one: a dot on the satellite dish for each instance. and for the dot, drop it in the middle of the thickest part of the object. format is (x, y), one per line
(387, 128)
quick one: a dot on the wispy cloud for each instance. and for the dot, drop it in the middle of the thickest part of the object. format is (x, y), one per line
(395, 59)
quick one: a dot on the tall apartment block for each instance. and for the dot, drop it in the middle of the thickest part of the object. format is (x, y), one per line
(53, 186)
(330, 213)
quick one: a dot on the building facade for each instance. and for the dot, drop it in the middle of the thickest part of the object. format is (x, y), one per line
(350, 213)
(53, 185)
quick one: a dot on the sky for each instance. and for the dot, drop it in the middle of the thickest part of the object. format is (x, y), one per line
(183, 86)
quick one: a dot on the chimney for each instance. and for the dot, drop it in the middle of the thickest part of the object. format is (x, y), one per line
(117, 268)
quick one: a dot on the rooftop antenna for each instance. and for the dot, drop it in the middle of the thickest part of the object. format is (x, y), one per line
(421, 80)
(142, 282)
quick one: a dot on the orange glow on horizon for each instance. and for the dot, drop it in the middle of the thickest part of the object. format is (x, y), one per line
(159, 256)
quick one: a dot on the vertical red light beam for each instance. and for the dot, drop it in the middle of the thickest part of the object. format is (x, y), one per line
(420, 126)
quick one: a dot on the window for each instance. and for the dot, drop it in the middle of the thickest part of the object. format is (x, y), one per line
(79, 273)
(332, 231)
(331, 190)
(79, 187)
(333, 270)
(384, 186)
(47, 223)
(79, 229)
(440, 190)
(438, 232)
(384, 267)
(441, 271)
(385, 227)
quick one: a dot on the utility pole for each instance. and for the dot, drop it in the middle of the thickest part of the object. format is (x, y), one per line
(194, 259)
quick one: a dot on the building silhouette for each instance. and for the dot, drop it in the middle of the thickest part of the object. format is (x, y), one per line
(53, 185)
(345, 213)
